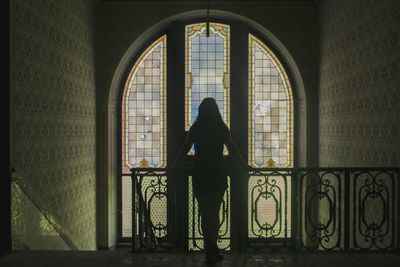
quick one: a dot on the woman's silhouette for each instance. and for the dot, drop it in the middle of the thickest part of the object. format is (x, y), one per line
(209, 133)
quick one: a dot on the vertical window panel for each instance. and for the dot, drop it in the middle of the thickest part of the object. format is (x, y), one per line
(207, 74)
(270, 109)
(144, 110)
(207, 68)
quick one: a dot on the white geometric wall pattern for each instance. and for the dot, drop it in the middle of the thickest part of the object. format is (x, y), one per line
(359, 83)
(53, 113)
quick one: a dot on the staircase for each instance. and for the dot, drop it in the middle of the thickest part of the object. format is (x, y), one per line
(33, 227)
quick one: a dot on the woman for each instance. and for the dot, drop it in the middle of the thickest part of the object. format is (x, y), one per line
(209, 133)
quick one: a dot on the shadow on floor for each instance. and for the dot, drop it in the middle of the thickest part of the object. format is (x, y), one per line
(123, 258)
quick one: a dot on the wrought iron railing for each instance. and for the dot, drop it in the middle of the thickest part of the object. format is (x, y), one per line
(269, 208)
(149, 226)
(195, 233)
(324, 209)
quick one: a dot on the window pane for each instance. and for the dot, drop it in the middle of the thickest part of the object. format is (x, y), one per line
(270, 109)
(207, 68)
(143, 117)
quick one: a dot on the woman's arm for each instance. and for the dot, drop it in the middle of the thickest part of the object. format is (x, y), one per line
(184, 150)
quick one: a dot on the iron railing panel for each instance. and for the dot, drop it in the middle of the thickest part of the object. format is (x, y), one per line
(316, 209)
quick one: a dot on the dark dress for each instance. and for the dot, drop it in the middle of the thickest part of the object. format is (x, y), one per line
(209, 177)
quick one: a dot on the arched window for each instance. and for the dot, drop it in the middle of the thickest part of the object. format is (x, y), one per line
(200, 66)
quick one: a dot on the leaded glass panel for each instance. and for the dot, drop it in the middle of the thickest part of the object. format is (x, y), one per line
(144, 108)
(207, 68)
(270, 109)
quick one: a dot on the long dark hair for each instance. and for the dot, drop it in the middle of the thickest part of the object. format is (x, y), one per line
(209, 112)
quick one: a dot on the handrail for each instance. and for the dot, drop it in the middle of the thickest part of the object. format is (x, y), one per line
(55, 226)
(295, 169)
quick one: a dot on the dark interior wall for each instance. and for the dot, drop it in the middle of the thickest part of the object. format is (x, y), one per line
(5, 199)
(359, 83)
(53, 109)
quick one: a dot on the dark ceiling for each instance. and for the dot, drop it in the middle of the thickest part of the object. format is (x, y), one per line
(213, 1)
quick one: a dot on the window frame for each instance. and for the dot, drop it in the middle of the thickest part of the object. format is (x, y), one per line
(239, 88)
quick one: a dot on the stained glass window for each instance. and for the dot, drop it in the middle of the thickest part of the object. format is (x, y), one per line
(207, 68)
(143, 120)
(270, 109)
(207, 74)
(144, 106)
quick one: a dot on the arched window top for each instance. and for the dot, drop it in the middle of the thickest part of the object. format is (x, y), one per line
(144, 109)
(270, 109)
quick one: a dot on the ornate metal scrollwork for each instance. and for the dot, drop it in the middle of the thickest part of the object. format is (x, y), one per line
(156, 191)
(373, 211)
(341, 209)
(269, 218)
(152, 209)
(321, 210)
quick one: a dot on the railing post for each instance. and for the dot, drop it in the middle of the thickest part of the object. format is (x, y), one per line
(183, 209)
(295, 203)
(236, 231)
(397, 180)
(347, 209)
(133, 180)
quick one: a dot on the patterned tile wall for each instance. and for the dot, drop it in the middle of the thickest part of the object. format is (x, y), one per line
(53, 109)
(359, 83)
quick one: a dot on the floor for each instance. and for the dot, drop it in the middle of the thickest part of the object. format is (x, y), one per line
(124, 258)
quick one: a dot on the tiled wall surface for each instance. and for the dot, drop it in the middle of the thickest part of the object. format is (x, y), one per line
(359, 101)
(53, 109)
